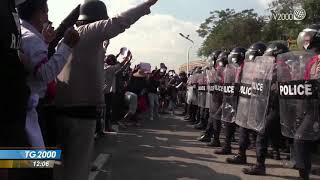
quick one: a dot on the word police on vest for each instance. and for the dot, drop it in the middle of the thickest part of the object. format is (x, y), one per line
(296, 90)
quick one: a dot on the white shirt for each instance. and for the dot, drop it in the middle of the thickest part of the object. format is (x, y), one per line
(41, 69)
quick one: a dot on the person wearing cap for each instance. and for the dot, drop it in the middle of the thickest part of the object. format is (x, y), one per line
(80, 97)
(111, 68)
(138, 85)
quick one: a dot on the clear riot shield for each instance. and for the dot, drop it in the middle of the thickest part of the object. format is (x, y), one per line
(208, 95)
(194, 97)
(245, 94)
(202, 90)
(298, 96)
(190, 89)
(216, 91)
(230, 92)
(260, 93)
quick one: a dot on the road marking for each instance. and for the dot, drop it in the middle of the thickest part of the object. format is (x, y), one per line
(101, 160)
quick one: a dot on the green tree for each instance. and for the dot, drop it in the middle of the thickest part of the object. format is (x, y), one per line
(280, 29)
(312, 8)
(227, 29)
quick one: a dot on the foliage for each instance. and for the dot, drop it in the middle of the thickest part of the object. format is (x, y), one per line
(226, 29)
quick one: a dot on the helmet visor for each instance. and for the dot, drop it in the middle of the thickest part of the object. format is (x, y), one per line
(220, 63)
(250, 55)
(268, 52)
(233, 58)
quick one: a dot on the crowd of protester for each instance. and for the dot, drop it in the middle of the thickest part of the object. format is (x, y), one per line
(58, 80)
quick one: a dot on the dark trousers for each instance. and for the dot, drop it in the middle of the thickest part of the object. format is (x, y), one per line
(194, 112)
(107, 118)
(198, 114)
(302, 154)
(213, 127)
(216, 129)
(209, 128)
(186, 107)
(230, 129)
(244, 140)
(272, 132)
(117, 107)
(204, 115)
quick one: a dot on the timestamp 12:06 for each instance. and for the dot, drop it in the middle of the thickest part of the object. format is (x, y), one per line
(42, 164)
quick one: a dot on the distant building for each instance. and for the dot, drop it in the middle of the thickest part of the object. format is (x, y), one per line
(192, 64)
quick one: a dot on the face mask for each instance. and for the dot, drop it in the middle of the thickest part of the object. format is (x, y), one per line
(18, 2)
(234, 60)
(251, 57)
(306, 46)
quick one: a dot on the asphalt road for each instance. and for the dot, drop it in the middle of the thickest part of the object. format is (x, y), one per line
(166, 149)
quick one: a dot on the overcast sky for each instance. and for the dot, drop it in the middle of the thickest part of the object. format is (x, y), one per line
(154, 38)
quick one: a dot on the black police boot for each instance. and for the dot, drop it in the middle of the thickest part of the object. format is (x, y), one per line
(204, 138)
(304, 175)
(199, 126)
(258, 170)
(187, 117)
(237, 159)
(276, 155)
(223, 151)
(214, 143)
(195, 121)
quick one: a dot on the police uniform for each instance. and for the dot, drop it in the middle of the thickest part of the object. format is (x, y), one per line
(14, 93)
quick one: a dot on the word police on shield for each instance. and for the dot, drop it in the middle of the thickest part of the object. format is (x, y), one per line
(301, 89)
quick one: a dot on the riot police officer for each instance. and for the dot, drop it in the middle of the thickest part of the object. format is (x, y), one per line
(192, 98)
(215, 102)
(230, 95)
(195, 100)
(272, 129)
(257, 49)
(202, 103)
(301, 120)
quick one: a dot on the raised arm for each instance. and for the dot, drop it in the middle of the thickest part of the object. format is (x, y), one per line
(107, 29)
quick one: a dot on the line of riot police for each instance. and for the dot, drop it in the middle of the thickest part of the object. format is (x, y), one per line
(268, 92)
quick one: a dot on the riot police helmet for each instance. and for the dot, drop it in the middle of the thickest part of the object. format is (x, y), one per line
(237, 55)
(309, 38)
(274, 49)
(256, 49)
(222, 59)
(213, 58)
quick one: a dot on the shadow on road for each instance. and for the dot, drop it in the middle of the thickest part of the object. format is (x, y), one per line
(162, 150)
